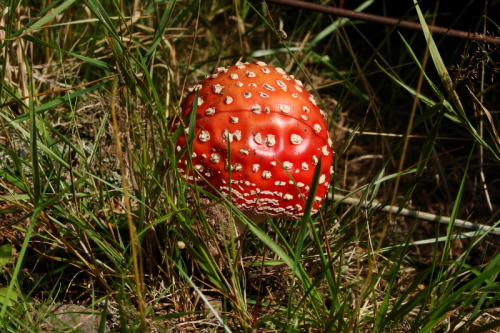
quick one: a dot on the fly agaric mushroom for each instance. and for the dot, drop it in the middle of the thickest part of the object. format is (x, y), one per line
(259, 136)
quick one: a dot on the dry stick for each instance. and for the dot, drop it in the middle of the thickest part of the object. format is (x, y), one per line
(417, 214)
(481, 130)
(386, 20)
(134, 241)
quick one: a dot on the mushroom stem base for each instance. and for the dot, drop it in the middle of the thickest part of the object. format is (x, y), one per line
(255, 218)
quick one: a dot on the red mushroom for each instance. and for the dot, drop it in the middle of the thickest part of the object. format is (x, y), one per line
(275, 133)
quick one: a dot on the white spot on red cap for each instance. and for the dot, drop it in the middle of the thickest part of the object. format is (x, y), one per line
(281, 84)
(270, 140)
(255, 167)
(247, 94)
(311, 98)
(196, 87)
(268, 87)
(210, 111)
(228, 136)
(250, 74)
(266, 174)
(228, 100)
(287, 165)
(258, 138)
(295, 139)
(217, 88)
(285, 108)
(324, 150)
(215, 158)
(255, 109)
(204, 136)
(317, 128)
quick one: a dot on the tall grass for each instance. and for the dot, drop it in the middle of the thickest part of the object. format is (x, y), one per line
(94, 213)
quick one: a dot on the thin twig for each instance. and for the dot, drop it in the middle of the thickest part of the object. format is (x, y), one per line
(481, 127)
(135, 248)
(386, 20)
(418, 214)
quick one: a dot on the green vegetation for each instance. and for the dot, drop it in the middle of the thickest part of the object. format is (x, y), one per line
(94, 213)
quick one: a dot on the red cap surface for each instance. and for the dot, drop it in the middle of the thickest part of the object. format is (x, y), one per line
(276, 135)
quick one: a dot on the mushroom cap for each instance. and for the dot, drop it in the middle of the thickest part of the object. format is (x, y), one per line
(258, 136)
